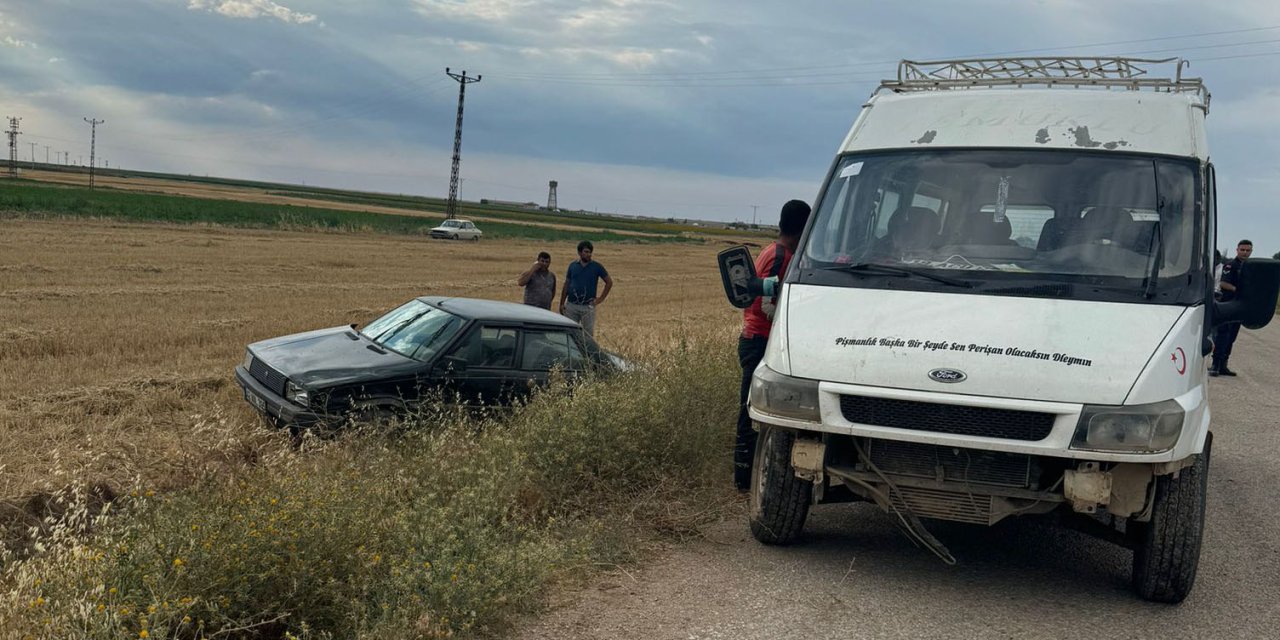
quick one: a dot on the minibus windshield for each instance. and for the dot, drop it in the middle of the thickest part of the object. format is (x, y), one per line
(982, 215)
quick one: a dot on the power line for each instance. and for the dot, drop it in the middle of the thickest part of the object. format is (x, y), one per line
(365, 105)
(463, 81)
(791, 70)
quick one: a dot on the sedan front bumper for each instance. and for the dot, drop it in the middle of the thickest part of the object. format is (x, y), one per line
(275, 409)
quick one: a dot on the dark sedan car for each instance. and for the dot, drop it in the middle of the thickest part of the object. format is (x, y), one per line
(476, 351)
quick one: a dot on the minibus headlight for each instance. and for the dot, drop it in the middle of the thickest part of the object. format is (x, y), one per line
(784, 396)
(296, 394)
(1144, 428)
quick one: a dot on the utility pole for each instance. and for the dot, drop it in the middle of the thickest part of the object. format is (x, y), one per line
(46, 154)
(754, 207)
(33, 154)
(463, 81)
(93, 142)
(13, 134)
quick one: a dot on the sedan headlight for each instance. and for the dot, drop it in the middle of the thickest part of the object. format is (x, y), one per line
(248, 359)
(784, 396)
(1143, 428)
(296, 394)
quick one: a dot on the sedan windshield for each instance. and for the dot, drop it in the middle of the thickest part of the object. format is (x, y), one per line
(415, 329)
(983, 215)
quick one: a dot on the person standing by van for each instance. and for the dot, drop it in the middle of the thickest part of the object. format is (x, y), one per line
(539, 283)
(757, 320)
(578, 299)
(1229, 284)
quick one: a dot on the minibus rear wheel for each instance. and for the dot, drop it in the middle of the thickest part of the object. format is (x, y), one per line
(1164, 564)
(779, 500)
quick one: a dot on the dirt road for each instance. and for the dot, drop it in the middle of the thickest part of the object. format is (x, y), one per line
(854, 576)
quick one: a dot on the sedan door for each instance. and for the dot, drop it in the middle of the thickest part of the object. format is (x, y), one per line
(547, 350)
(487, 359)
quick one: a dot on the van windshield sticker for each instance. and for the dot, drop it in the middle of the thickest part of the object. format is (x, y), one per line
(851, 170)
(912, 344)
(1002, 198)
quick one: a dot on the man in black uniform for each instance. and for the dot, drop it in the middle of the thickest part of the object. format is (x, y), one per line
(1226, 334)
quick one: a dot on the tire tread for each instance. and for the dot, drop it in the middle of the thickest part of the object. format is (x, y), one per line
(1164, 565)
(784, 505)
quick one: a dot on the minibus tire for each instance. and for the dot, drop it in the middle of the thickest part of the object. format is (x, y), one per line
(779, 500)
(1164, 565)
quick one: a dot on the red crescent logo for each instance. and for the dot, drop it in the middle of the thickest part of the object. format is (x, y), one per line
(1180, 361)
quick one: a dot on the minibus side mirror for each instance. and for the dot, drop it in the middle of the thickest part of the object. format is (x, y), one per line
(1255, 306)
(738, 273)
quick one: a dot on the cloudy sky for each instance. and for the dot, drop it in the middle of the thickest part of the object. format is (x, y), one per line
(685, 108)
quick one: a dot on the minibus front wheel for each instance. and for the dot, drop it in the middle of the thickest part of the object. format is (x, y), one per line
(779, 500)
(1164, 564)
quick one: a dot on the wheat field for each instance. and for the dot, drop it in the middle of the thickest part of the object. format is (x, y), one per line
(119, 341)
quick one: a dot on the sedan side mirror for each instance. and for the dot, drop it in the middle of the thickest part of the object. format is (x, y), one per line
(738, 273)
(450, 364)
(1255, 305)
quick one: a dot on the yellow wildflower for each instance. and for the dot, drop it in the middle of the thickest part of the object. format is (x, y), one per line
(143, 633)
(177, 562)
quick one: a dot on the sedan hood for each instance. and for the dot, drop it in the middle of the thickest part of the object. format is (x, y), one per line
(1036, 349)
(330, 357)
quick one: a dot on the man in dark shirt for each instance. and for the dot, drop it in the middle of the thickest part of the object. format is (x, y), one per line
(1225, 336)
(578, 299)
(539, 283)
(757, 320)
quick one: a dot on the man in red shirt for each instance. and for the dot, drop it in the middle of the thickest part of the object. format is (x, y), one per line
(756, 322)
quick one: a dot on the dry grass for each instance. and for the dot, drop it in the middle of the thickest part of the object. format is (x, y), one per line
(119, 340)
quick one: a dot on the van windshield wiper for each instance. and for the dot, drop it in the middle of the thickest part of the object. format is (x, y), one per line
(871, 267)
(1157, 236)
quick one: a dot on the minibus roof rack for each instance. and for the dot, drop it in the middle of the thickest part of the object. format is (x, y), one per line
(1071, 72)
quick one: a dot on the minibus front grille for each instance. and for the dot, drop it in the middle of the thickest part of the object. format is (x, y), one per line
(986, 422)
(270, 378)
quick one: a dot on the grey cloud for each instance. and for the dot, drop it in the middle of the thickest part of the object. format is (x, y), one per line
(252, 9)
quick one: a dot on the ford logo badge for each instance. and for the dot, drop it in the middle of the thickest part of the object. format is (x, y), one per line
(948, 375)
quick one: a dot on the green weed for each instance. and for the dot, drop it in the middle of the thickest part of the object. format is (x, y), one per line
(449, 529)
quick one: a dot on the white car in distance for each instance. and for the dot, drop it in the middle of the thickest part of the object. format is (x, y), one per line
(456, 229)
